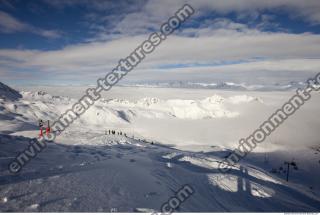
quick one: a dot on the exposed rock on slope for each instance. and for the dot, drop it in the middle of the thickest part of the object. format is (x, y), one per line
(8, 93)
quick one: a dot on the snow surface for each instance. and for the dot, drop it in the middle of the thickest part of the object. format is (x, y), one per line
(86, 170)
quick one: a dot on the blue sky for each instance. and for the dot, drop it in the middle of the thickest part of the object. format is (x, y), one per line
(78, 41)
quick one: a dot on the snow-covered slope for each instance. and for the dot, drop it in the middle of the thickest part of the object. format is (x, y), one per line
(8, 93)
(124, 174)
(211, 107)
(86, 169)
(40, 105)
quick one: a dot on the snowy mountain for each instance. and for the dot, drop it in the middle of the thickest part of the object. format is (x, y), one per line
(38, 105)
(8, 93)
(88, 169)
(211, 107)
(224, 86)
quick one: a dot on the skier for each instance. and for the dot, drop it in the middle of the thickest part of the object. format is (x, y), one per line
(41, 127)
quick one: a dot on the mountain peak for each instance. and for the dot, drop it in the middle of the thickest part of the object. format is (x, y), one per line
(7, 92)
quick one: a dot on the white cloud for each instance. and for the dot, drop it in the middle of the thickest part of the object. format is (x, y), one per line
(216, 46)
(160, 10)
(9, 24)
(309, 10)
(215, 41)
(154, 12)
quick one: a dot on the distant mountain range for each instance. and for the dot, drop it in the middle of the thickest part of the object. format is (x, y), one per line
(222, 85)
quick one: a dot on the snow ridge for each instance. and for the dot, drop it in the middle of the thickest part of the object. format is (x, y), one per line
(8, 93)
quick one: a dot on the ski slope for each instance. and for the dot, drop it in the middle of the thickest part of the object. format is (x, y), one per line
(86, 170)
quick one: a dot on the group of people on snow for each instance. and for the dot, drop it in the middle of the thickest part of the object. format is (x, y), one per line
(113, 132)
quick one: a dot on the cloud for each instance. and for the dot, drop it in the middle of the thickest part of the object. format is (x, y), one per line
(213, 41)
(255, 72)
(216, 46)
(150, 15)
(9, 24)
(308, 10)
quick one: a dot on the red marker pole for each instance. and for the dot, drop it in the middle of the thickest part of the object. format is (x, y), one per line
(48, 128)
